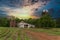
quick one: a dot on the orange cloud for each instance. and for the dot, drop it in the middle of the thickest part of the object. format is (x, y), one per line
(24, 12)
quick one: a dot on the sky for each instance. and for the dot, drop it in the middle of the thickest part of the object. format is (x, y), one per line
(24, 9)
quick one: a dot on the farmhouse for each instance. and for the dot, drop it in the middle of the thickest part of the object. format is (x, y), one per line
(22, 24)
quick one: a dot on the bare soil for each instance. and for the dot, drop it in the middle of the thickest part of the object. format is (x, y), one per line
(41, 36)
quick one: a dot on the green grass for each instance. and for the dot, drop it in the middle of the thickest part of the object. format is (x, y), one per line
(9, 32)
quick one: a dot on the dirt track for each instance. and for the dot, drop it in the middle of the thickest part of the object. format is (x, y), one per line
(42, 36)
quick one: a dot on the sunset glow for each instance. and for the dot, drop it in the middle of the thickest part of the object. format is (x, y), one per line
(24, 9)
(22, 13)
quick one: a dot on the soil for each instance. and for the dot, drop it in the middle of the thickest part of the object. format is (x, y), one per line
(41, 36)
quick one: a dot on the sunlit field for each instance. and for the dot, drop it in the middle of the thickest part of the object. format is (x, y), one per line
(7, 33)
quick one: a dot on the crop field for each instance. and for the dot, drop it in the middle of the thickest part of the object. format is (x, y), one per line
(7, 33)
(12, 34)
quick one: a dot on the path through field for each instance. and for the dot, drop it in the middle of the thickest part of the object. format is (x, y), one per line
(42, 36)
(24, 34)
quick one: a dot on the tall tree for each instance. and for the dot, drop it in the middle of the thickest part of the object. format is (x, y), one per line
(46, 21)
(58, 22)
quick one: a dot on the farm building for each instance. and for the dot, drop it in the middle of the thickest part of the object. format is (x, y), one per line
(22, 24)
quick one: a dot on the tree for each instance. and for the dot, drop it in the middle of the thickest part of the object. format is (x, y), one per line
(46, 21)
(4, 22)
(58, 22)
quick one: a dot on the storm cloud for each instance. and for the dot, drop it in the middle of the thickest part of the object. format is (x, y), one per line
(14, 7)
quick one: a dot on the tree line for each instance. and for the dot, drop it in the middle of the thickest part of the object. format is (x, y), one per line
(45, 21)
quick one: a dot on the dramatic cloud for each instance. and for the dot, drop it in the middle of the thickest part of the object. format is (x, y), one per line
(22, 8)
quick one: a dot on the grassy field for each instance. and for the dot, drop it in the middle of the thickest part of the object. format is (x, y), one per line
(19, 34)
(12, 34)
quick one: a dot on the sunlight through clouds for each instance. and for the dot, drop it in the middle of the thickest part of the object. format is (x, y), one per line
(25, 8)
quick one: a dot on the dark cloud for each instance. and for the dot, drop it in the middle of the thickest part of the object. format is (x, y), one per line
(52, 6)
(2, 13)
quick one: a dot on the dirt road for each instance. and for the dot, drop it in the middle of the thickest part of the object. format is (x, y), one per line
(42, 36)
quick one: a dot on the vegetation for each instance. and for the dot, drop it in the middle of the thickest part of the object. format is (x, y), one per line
(4, 22)
(45, 21)
(7, 33)
(58, 23)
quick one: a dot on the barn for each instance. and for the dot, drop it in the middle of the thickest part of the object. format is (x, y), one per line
(23, 24)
